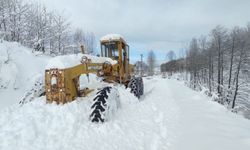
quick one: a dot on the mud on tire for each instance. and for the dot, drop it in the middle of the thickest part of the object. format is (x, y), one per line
(105, 103)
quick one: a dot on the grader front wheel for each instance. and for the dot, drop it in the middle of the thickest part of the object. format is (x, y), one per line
(105, 104)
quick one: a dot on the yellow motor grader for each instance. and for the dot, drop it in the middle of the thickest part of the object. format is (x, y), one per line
(62, 85)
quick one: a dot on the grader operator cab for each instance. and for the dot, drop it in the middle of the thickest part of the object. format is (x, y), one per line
(62, 85)
(116, 48)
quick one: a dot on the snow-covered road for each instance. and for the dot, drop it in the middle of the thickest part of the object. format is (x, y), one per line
(204, 124)
(169, 116)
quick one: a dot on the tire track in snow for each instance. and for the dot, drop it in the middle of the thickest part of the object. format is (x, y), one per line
(167, 113)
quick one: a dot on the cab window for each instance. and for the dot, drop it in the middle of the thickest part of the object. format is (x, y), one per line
(110, 49)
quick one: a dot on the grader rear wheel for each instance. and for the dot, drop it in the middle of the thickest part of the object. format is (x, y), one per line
(136, 86)
(141, 86)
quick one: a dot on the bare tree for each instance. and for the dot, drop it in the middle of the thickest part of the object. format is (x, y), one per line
(219, 35)
(220, 63)
(241, 58)
(78, 39)
(171, 55)
(86, 39)
(151, 62)
(61, 33)
(34, 26)
(89, 42)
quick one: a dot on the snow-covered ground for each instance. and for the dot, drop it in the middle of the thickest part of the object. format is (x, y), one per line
(19, 69)
(168, 116)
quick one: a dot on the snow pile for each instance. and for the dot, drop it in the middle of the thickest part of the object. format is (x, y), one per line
(8, 74)
(113, 104)
(19, 70)
(18, 65)
(110, 37)
(8, 68)
(37, 125)
(67, 61)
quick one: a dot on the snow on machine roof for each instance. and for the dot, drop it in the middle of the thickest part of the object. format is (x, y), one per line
(75, 59)
(112, 37)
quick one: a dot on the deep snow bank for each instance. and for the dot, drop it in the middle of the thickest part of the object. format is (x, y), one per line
(19, 70)
(18, 65)
(37, 125)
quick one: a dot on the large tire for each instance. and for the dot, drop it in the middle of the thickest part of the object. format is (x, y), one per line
(104, 104)
(141, 86)
(134, 86)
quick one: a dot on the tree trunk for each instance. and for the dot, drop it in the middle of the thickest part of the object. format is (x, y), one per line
(231, 65)
(219, 71)
(237, 78)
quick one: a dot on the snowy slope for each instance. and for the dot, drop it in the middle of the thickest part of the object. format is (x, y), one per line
(19, 73)
(169, 116)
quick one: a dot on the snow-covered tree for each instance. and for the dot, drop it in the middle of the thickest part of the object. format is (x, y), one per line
(171, 55)
(31, 24)
(151, 62)
(220, 63)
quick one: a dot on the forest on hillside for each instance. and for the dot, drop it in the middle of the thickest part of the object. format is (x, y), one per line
(34, 26)
(219, 63)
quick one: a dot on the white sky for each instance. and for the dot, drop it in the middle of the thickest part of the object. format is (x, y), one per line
(161, 25)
